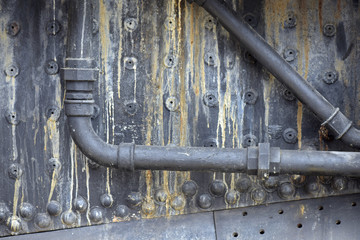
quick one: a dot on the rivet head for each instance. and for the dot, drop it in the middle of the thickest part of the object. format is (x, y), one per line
(130, 63)
(161, 196)
(271, 183)
(134, 199)
(42, 220)
(189, 188)
(53, 27)
(106, 200)
(329, 29)
(339, 183)
(290, 135)
(250, 97)
(286, 190)
(217, 188)
(210, 99)
(258, 195)
(12, 70)
(148, 208)
(54, 208)
(27, 211)
(15, 171)
(130, 24)
(243, 184)
(178, 202)
(14, 224)
(51, 67)
(250, 140)
(95, 214)
(69, 218)
(13, 28)
(232, 196)
(80, 204)
(172, 104)
(204, 201)
(122, 211)
(312, 187)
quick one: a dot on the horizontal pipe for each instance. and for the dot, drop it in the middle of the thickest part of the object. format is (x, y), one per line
(284, 72)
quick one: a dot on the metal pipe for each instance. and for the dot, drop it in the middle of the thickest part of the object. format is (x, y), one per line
(284, 72)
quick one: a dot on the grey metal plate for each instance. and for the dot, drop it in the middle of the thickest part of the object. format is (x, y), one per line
(327, 218)
(193, 226)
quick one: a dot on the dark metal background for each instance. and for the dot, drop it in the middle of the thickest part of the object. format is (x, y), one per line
(169, 75)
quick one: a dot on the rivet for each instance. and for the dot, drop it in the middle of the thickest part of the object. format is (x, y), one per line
(339, 183)
(290, 54)
(287, 94)
(148, 208)
(27, 211)
(211, 143)
(130, 63)
(290, 20)
(122, 211)
(53, 113)
(170, 61)
(329, 29)
(161, 196)
(170, 23)
(250, 19)
(95, 214)
(15, 171)
(271, 183)
(204, 201)
(209, 22)
(53, 27)
(298, 180)
(243, 184)
(54, 208)
(249, 58)
(12, 70)
(210, 59)
(258, 195)
(69, 218)
(42, 220)
(52, 165)
(250, 96)
(106, 200)
(51, 67)
(134, 199)
(130, 24)
(232, 196)
(217, 188)
(250, 140)
(330, 76)
(312, 187)
(14, 224)
(189, 188)
(290, 135)
(80, 204)
(13, 28)
(210, 99)
(172, 104)
(131, 107)
(12, 117)
(286, 190)
(178, 202)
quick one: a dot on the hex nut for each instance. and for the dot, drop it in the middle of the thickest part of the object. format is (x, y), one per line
(290, 135)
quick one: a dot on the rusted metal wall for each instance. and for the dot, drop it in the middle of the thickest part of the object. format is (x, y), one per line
(169, 75)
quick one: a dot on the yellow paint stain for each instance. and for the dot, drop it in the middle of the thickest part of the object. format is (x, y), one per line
(167, 190)
(87, 173)
(299, 122)
(53, 183)
(108, 181)
(149, 183)
(301, 210)
(17, 186)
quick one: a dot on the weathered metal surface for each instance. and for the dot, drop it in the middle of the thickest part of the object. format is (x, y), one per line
(169, 75)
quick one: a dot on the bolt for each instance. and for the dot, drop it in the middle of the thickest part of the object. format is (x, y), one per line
(122, 211)
(189, 188)
(12, 70)
(205, 201)
(339, 183)
(290, 20)
(312, 187)
(286, 190)
(271, 183)
(106, 200)
(27, 211)
(330, 76)
(12, 28)
(217, 188)
(95, 214)
(250, 19)
(130, 63)
(134, 199)
(69, 218)
(243, 184)
(15, 171)
(232, 196)
(80, 204)
(53, 27)
(54, 208)
(42, 220)
(210, 59)
(51, 67)
(131, 107)
(161, 196)
(290, 135)
(14, 224)
(130, 24)
(250, 96)
(249, 140)
(178, 202)
(210, 99)
(258, 195)
(172, 104)
(290, 54)
(329, 29)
